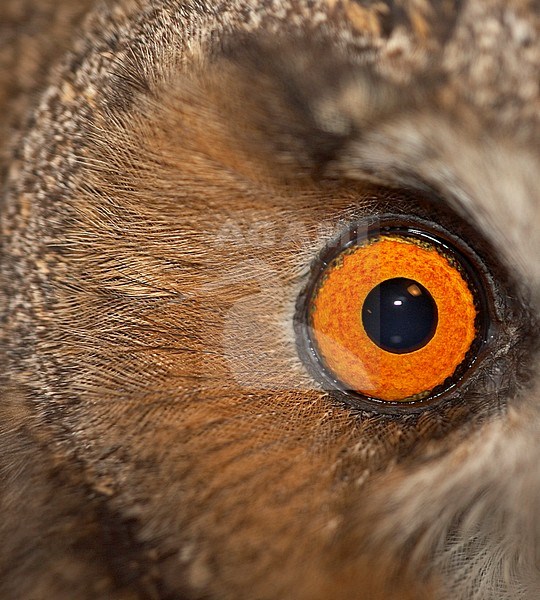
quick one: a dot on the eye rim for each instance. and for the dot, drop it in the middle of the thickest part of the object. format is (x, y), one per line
(473, 269)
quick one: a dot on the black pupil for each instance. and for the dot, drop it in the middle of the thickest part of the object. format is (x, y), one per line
(400, 315)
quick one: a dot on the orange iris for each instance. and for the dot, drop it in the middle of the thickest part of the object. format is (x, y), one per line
(347, 349)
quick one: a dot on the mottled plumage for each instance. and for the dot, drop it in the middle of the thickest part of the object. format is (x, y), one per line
(171, 169)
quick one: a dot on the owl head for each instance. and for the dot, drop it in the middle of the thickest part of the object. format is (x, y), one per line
(270, 292)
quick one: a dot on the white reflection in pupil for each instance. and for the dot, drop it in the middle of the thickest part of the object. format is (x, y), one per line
(399, 315)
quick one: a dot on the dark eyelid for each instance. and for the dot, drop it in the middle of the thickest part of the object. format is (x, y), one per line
(499, 373)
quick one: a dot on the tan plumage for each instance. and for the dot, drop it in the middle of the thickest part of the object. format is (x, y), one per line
(171, 171)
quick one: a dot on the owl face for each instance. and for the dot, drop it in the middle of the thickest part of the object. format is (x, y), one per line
(271, 305)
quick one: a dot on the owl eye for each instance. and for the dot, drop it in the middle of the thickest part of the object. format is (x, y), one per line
(396, 314)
